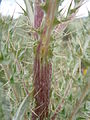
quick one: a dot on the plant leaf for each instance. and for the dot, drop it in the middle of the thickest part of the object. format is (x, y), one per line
(22, 108)
(25, 13)
(29, 11)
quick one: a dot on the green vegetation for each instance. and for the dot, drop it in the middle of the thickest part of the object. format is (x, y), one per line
(69, 54)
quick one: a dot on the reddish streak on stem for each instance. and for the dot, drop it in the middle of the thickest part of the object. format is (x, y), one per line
(42, 74)
(42, 66)
(42, 81)
(38, 17)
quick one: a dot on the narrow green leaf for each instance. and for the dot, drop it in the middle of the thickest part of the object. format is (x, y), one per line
(45, 7)
(69, 9)
(25, 13)
(80, 118)
(12, 80)
(85, 62)
(74, 9)
(70, 98)
(1, 56)
(22, 108)
(29, 11)
(56, 22)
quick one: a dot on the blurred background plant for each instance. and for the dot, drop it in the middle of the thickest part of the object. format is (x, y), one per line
(69, 94)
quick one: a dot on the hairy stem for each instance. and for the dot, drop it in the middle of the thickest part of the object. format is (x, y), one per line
(42, 66)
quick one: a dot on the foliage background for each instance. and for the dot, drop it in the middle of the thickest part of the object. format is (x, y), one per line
(71, 48)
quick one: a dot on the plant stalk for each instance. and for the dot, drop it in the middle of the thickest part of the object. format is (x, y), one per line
(42, 65)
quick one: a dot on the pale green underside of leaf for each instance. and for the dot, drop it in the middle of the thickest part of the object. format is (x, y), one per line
(29, 11)
(22, 108)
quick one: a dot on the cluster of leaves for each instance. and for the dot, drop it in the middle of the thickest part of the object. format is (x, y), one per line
(16, 63)
(68, 55)
(71, 47)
